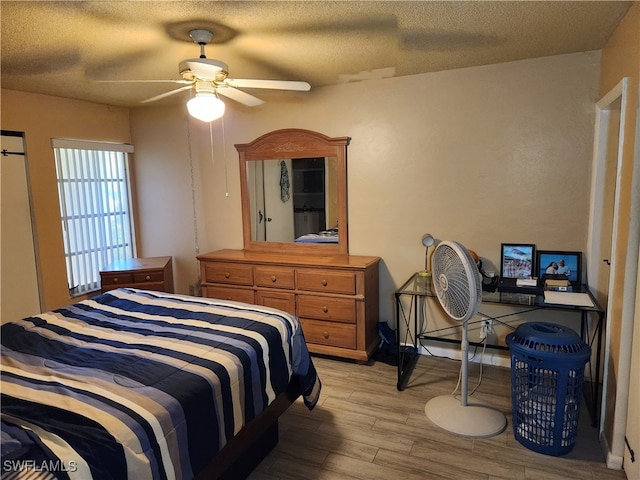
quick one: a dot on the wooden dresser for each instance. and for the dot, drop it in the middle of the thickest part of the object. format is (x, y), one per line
(154, 273)
(335, 297)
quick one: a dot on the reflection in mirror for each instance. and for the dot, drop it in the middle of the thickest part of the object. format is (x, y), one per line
(294, 192)
(294, 200)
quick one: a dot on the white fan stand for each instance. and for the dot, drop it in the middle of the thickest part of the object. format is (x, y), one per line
(458, 416)
(449, 412)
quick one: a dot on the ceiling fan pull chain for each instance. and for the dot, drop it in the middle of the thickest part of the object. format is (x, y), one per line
(193, 194)
(224, 159)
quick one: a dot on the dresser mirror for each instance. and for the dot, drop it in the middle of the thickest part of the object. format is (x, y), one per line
(294, 193)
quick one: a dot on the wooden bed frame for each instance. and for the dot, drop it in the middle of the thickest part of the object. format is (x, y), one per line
(253, 442)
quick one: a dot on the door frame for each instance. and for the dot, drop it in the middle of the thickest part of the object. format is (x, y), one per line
(615, 450)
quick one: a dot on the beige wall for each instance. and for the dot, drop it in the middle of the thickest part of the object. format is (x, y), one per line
(483, 155)
(42, 118)
(168, 156)
(621, 54)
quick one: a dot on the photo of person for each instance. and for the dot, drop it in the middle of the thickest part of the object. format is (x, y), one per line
(560, 263)
(563, 268)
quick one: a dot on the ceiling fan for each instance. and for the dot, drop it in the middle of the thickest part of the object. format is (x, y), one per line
(207, 78)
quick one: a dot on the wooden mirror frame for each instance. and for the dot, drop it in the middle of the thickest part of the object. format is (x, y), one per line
(295, 143)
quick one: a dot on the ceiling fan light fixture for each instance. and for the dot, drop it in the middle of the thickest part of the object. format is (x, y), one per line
(206, 107)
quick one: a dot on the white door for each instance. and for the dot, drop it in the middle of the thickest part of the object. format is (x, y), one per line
(278, 209)
(19, 292)
(255, 178)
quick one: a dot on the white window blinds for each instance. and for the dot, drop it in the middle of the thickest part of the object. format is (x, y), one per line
(95, 208)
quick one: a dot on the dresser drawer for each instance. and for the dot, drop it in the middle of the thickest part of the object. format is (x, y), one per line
(116, 279)
(223, 293)
(329, 333)
(326, 281)
(327, 308)
(275, 277)
(232, 273)
(285, 301)
(144, 277)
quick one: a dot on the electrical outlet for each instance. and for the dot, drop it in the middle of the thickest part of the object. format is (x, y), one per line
(486, 328)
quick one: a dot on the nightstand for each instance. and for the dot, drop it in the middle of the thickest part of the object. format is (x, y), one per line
(154, 273)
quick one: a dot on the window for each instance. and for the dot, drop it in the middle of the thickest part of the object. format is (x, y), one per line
(95, 208)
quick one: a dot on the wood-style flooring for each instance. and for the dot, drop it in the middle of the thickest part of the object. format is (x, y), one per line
(364, 428)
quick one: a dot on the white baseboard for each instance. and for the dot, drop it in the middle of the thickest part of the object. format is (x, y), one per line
(614, 462)
(489, 357)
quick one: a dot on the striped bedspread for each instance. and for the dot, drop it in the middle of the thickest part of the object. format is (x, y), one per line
(140, 385)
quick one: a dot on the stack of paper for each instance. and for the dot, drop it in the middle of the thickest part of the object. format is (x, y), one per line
(568, 298)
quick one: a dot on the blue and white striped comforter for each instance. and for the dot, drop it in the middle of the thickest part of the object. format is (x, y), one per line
(136, 384)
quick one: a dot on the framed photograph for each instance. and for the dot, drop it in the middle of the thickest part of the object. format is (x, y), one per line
(554, 262)
(517, 260)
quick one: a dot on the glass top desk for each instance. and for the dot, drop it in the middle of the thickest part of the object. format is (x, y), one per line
(418, 289)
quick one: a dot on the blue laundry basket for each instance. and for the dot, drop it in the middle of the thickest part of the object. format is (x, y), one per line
(547, 373)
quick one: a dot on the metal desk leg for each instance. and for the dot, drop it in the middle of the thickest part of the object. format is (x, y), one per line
(594, 389)
(407, 355)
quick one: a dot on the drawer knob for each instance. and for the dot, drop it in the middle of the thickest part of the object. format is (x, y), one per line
(115, 280)
(227, 275)
(324, 283)
(325, 334)
(325, 309)
(273, 278)
(147, 278)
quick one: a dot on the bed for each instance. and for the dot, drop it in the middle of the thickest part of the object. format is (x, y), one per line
(148, 385)
(325, 236)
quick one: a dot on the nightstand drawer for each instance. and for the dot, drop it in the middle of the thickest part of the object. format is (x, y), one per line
(144, 277)
(231, 273)
(326, 281)
(236, 294)
(122, 278)
(329, 333)
(275, 277)
(327, 308)
(154, 286)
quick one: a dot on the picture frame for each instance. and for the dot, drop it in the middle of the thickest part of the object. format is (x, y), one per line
(572, 264)
(517, 260)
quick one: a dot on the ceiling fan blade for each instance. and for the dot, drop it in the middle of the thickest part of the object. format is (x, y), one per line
(145, 81)
(239, 96)
(167, 94)
(272, 84)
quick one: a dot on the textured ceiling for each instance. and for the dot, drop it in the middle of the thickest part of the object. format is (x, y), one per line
(60, 48)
